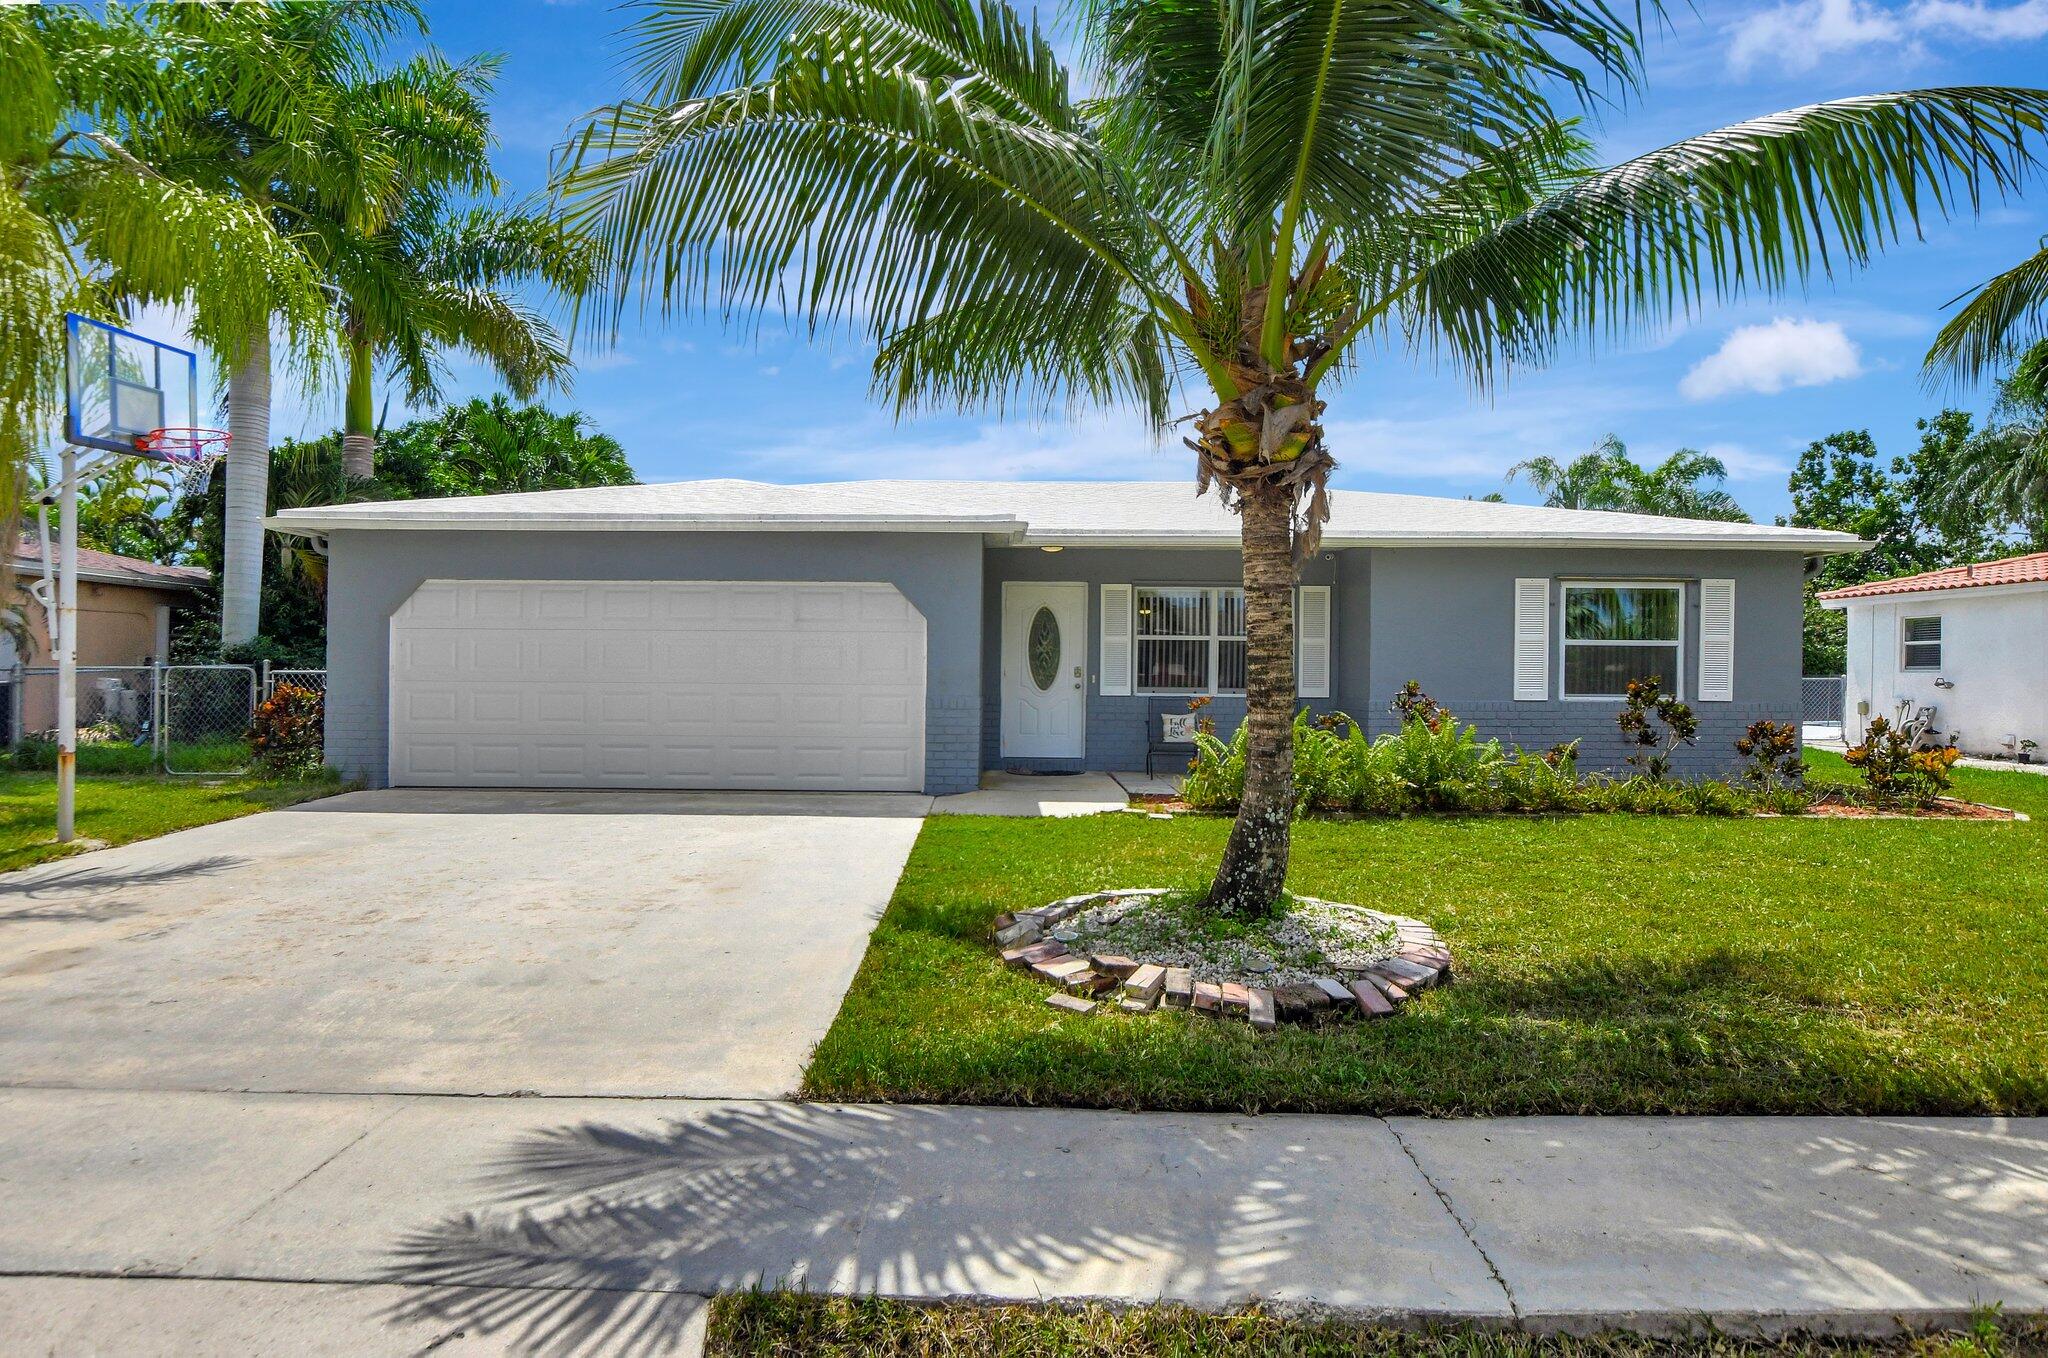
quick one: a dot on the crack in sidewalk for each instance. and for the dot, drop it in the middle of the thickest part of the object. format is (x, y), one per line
(1514, 1306)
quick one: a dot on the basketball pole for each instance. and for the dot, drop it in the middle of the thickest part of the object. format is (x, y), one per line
(66, 643)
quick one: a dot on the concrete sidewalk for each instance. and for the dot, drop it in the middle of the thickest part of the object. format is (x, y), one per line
(592, 1225)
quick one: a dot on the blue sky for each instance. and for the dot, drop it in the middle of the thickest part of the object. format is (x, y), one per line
(1752, 383)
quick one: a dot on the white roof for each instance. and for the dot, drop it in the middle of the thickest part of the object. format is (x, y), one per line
(1041, 513)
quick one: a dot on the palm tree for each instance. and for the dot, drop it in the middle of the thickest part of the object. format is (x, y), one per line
(1254, 195)
(91, 219)
(428, 274)
(2007, 315)
(1585, 482)
(2001, 472)
(286, 137)
(1685, 485)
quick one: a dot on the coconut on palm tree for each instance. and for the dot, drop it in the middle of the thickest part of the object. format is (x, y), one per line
(1251, 198)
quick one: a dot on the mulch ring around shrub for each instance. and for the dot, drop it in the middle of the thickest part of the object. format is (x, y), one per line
(1362, 964)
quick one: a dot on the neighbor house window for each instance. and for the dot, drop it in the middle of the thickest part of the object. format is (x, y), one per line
(1190, 640)
(1923, 643)
(1616, 633)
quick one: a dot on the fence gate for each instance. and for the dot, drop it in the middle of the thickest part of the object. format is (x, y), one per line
(205, 712)
(1820, 705)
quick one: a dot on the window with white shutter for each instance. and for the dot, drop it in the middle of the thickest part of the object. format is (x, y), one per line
(1312, 640)
(1717, 641)
(1116, 640)
(1532, 639)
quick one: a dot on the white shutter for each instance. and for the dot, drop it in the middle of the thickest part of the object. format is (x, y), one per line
(1312, 640)
(1717, 641)
(1532, 639)
(1116, 640)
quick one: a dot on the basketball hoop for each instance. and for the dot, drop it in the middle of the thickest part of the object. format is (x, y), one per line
(189, 449)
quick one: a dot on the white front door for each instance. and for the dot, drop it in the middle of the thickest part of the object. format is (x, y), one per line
(1045, 658)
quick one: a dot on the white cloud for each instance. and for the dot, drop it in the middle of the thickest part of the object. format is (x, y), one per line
(1798, 35)
(1770, 358)
(1802, 33)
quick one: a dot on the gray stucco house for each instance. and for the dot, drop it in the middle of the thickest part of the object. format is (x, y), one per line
(910, 634)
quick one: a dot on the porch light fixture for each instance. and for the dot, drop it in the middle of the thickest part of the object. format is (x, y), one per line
(1052, 549)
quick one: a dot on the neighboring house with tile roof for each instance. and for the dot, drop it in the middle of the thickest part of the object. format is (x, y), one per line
(912, 635)
(124, 618)
(1969, 641)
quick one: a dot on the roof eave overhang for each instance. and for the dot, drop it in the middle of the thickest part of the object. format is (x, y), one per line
(1331, 542)
(1006, 529)
(307, 524)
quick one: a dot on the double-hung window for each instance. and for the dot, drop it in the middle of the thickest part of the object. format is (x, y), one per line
(1190, 640)
(1922, 643)
(1614, 633)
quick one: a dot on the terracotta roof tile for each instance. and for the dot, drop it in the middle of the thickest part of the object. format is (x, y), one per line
(28, 557)
(2013, 570)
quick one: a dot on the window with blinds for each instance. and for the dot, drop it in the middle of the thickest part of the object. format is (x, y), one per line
(1922, 643)
(1189, 640)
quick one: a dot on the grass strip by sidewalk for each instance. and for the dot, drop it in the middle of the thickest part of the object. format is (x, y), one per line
(1606, 964)
(788, 1324)
(122, 809)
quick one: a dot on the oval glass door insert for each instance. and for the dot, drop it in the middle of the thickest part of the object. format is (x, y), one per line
(1043, 645)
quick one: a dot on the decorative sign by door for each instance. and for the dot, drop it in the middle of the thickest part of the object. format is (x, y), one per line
(1043, 646)
(1177, 728)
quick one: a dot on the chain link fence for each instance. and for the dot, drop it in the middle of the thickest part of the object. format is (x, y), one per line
(183, 719)
(116, 717)
(206, 715)
(1821, 698)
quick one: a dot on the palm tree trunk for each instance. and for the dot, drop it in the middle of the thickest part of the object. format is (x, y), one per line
(1254, 864)
(248, 494)
(359, 430)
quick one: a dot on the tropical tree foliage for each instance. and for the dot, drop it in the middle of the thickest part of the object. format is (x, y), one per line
(285, 128)
(93, 215)
(1685, 485)
(2001, 474)
(1255, 195)
(429, 270)
(1905, 507)
(483, 447)
(2007, 316)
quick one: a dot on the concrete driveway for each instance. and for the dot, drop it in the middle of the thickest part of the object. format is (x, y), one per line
(413, 941)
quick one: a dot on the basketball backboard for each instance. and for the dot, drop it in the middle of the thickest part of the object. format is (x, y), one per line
(119, 387)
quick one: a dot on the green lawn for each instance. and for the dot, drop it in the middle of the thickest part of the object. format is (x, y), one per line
(120, 810)
(799, 1325)
(1609, 964)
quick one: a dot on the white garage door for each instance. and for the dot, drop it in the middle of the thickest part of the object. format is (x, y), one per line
(675, 684)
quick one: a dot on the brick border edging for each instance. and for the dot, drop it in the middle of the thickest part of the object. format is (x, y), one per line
(1421, 959)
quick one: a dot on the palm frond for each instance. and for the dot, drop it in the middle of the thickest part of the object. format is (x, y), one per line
(1744, 209)
(2007, 314)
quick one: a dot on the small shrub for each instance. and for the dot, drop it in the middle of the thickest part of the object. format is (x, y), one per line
(1547, 781)
(285, 734)
(1772, 751)
(1445, 767)
(1711, 797)
(1647, 708)
(1412, 704)
(1894, 771)
(1215, 780)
